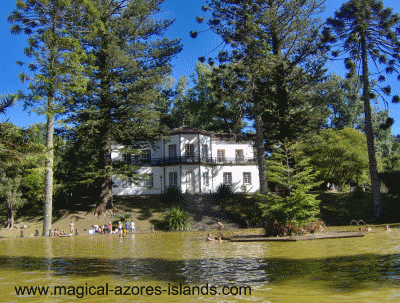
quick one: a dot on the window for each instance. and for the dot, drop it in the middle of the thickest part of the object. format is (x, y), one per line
(146, 156)
(149, 181)
(206, 181)
(227, 178)
(221, 155)
(239, 156)
(204, 151)
(189, 150)
(127, 158)
(173, 179)
(172, 150)
(246, 178)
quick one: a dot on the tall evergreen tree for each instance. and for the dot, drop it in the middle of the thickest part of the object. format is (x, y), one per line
(364, 31)
(58, 66)
(6, 102)
(276, 51)
(214, 103)
(132, 61)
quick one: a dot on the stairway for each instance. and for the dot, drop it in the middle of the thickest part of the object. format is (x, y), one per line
(205, 212)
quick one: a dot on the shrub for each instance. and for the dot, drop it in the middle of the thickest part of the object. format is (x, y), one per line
(174, 195)
(175, 219)
(289, 228)
(244, 210)
(123, 217)
(224, 192)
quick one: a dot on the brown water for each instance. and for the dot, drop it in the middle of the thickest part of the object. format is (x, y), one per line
(336, 270)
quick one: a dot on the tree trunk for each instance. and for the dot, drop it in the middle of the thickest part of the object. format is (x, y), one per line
(260, 148)
(105, 190)
(279, 79)
(48, 198)
(369, 133)
(10, 215)
(105, 163)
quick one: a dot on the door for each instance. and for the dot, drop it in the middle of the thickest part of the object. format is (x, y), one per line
(239, 156)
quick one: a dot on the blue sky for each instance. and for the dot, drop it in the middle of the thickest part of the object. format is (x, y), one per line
(184, 11)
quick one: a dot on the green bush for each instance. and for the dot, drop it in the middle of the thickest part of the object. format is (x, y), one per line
(123, 217)
(224, 192)
(174, 195)
(244, 209)
(175, 219)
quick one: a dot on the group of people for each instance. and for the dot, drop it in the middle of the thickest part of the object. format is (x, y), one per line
(210, 238)
(101, 229)
(57, 233)
(128, 228)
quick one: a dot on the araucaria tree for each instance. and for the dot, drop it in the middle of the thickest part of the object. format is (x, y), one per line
(57, 67)
(132, 63)
(364, 32)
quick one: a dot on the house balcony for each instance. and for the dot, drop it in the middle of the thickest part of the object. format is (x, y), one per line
(195, 160)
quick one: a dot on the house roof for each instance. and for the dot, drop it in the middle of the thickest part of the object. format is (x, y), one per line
(188, 130)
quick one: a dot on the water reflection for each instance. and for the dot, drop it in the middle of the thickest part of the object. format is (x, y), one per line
(338, 273)
(332, 265)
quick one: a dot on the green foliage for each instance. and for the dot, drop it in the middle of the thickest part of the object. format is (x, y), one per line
(21, 173)
(6, 102)
(339, 155)
(365, 31)
(294, 177)
(208, 104)
(175, 219)
(244, 209)
(391, 181)
(224, 192)
(344, 101)
(123, 217)
(125, 94)
(289, 228)
(59, 65)
(174, 195)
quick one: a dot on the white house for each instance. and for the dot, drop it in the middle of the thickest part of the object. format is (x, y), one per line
(195, 160)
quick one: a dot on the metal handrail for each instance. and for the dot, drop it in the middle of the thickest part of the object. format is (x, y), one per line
(191, 160)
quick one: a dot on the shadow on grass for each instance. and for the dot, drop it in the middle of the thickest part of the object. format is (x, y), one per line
(146, 205)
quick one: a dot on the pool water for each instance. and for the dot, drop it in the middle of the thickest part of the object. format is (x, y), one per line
(176, 267)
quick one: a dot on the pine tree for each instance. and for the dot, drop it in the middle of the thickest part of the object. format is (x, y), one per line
(277, 55)
(363, 31)
(132, 61)
(293, 177)
(58, 66)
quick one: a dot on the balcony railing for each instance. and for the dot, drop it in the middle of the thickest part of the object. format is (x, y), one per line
(191, 160)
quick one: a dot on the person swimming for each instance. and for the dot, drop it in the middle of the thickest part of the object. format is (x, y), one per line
(209, 238)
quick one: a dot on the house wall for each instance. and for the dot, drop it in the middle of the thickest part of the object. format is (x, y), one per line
(248, 151)
(197, 140)
(125, 187)
(237, 177)
(190, 178)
